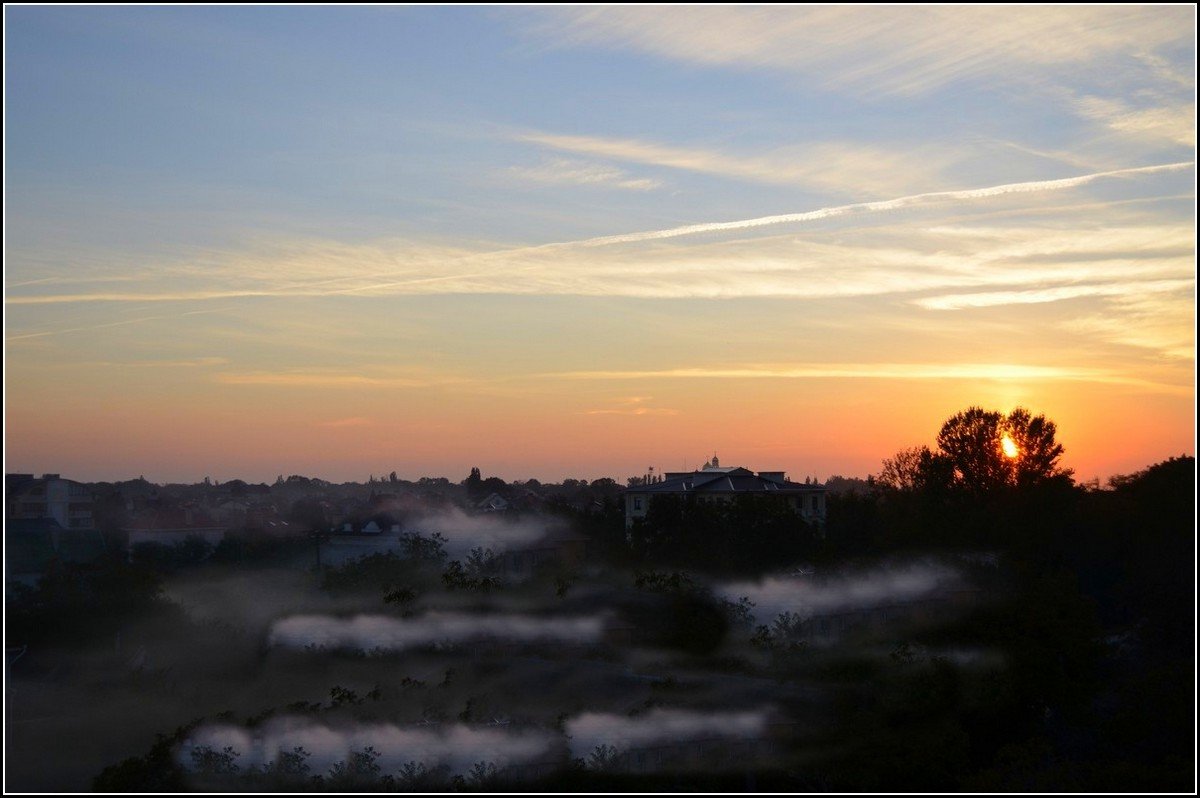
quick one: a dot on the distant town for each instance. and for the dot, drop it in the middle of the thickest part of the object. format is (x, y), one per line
(48, 516)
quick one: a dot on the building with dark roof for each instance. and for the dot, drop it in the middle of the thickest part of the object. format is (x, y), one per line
(716, 483)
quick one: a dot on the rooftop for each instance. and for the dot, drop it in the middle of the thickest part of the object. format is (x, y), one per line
(726, 480)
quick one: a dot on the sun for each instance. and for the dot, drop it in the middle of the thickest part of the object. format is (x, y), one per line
(1009, 446)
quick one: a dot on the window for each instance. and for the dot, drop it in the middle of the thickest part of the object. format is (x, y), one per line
(637, 503)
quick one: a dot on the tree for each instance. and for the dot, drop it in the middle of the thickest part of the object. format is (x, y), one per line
(972, 441)
(474, 483)
(989, 450)
(908, 470)
(1038, 452)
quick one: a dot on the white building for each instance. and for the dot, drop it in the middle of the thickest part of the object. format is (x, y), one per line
(66, 501)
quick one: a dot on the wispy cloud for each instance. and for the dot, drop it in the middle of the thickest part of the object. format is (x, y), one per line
(341, 423)
(560, 171)
(331, 380)
(1164, 323)
(898, 203)
(1055, 294)
(193, 362)
(890, 371)
(842, 167)
(942, 253)
(763, 267)
(632, 406)
(1174, 123)
(633, 411)
(87, 328)
(889, 50)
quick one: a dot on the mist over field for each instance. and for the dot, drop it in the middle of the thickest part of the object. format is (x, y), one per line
(815, 593)
(589, 731)
(372, 633)
(465, 532)
(457, 746)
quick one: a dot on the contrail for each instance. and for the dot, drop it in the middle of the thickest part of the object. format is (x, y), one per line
(881, 205)
(806, 216)
(500, 259)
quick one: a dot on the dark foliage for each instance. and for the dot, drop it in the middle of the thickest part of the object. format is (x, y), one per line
(750, 534)
(155, 772)
(81, 602)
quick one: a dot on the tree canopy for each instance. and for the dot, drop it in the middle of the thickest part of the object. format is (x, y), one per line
(980, 451)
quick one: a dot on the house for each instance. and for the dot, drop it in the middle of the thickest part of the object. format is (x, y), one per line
(66, 501)
(494, 503)
(716, 483)
(172, 525)
(559, 547)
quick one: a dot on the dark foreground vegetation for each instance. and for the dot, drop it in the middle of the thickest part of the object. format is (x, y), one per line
(1071, 667)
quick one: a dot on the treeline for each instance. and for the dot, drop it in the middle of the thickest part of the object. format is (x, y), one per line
(1092, 608)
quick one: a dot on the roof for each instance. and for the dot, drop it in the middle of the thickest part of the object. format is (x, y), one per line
(17, 482)
(725, 480)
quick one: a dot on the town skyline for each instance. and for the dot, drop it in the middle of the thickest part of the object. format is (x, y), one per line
(578, 242)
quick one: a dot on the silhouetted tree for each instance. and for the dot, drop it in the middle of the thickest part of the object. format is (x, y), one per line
(474, 484)
(974, 443)
(907, 470)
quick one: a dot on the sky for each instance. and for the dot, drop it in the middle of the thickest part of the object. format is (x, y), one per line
(584, 241)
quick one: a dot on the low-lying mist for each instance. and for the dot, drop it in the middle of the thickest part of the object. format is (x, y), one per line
(381, 633)
(590, 730)
(457, 746)
(806, 595)
(489, 531)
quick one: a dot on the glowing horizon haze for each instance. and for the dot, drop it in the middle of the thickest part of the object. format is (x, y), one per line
(582, 241)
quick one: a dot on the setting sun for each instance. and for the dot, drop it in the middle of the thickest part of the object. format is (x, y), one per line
(1010, 447)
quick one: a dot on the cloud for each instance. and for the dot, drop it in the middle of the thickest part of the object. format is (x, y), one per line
(583, 173)
(1055, 294)
(1174, 123)
(1164, 323)
(998, 372)
(330, 380)
(634, 411)
(889, 50)
(891, 371)
(106, 325)
(898, 203)
(195, 362)
(372, 633)
(632, 406)
(762, 267)
(354, 421)
(839, 167)
(935, 251)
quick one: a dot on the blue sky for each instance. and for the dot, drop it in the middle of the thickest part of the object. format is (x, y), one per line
(440, 203)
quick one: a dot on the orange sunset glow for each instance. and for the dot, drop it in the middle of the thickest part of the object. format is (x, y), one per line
(541, 295)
